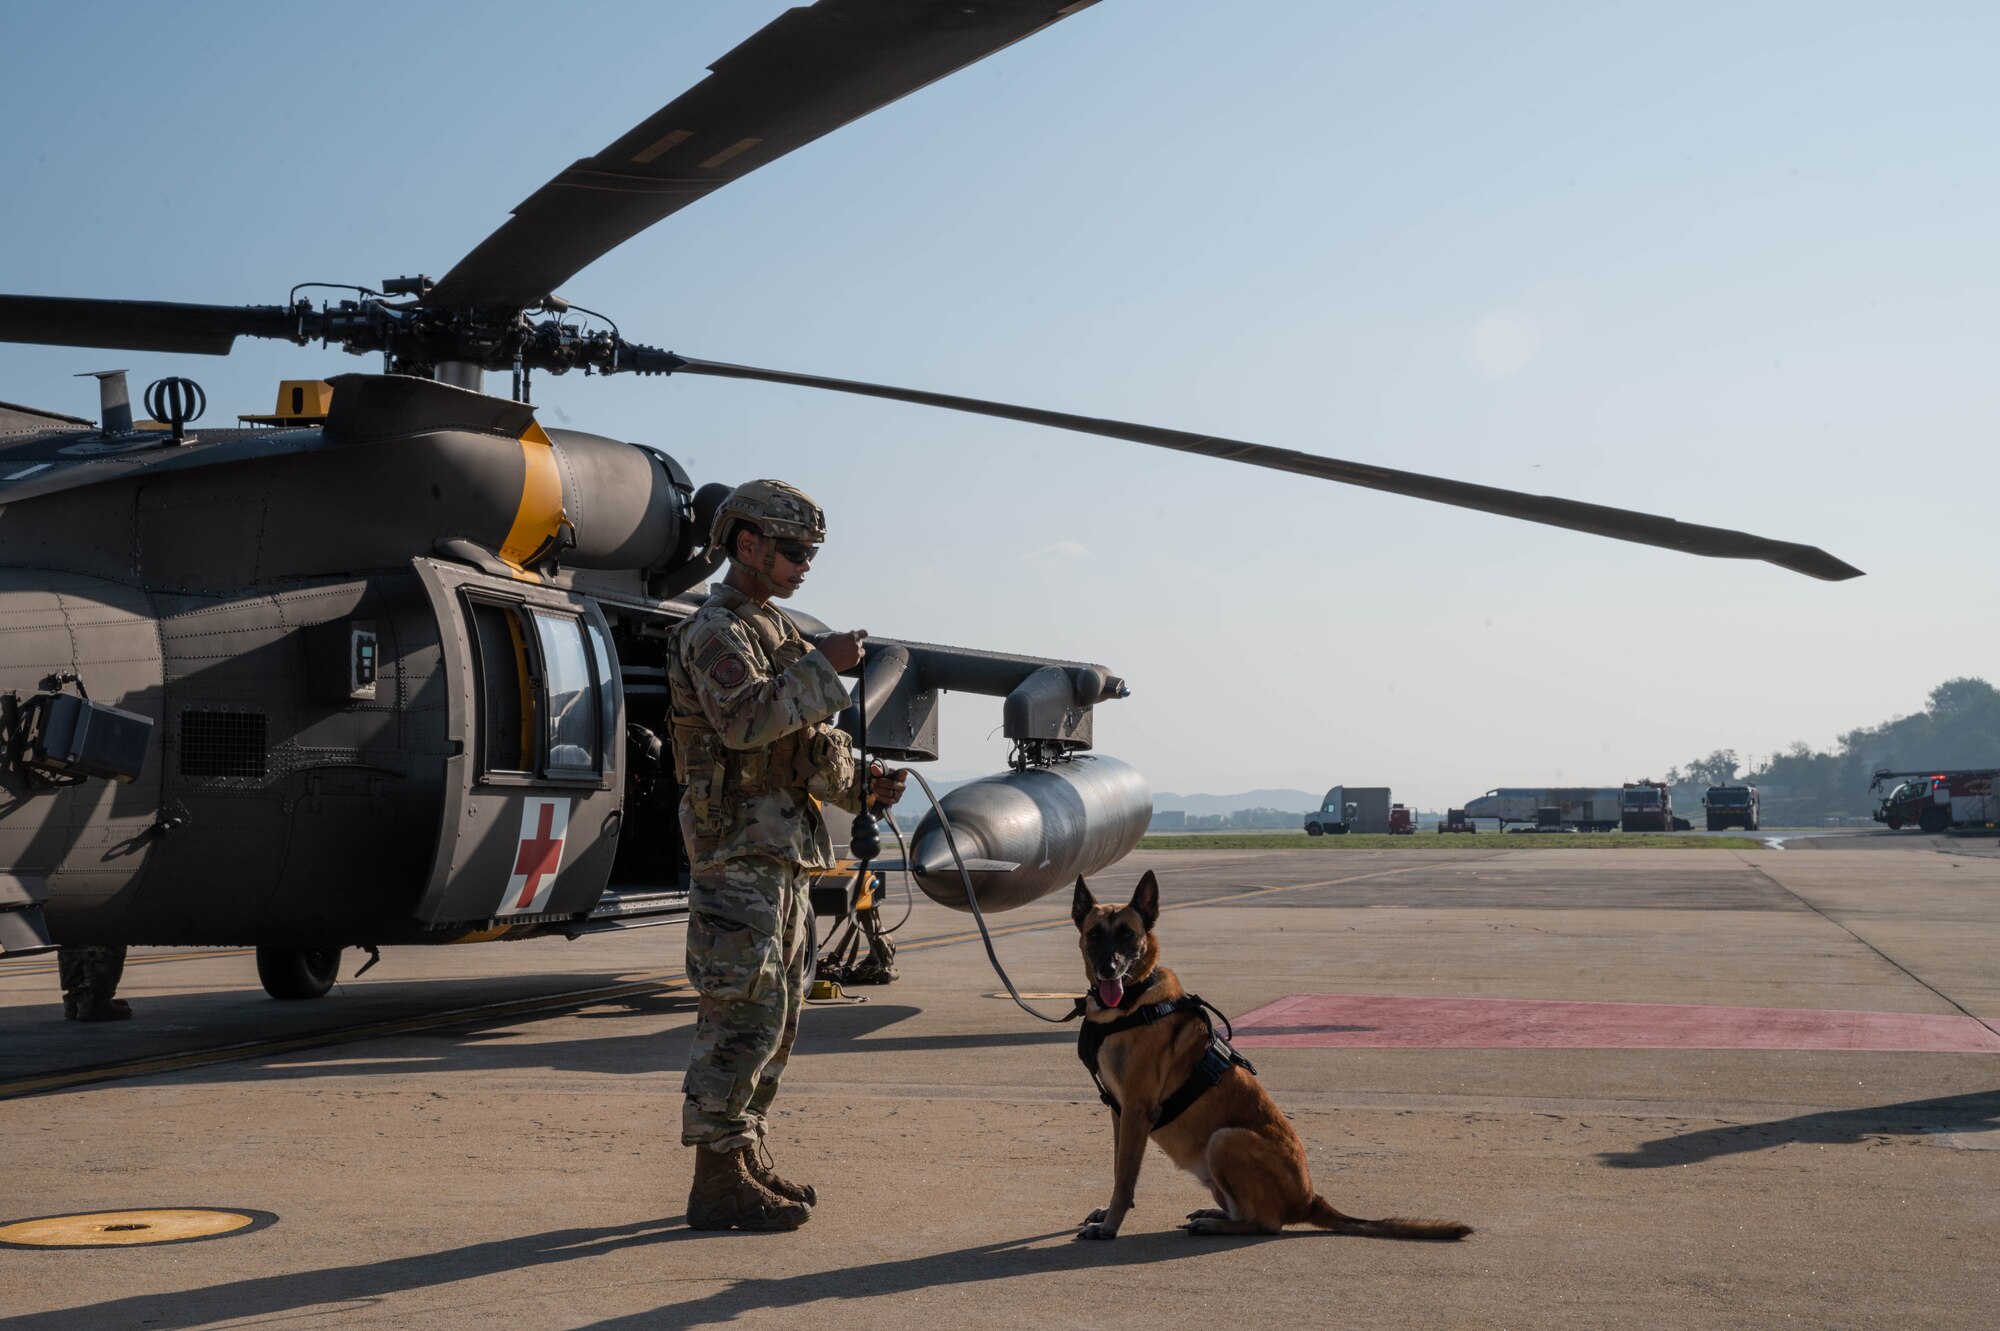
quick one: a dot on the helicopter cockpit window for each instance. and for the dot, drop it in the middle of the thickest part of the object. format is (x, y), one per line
(573, 726)
(507, 690)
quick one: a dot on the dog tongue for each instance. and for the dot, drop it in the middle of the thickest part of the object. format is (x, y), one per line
(1110, 992)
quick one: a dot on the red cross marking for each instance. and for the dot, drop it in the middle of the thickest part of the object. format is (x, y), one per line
(540, 854)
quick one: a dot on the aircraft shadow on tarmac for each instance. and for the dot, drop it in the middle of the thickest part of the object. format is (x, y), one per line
(1977, 1111)
(368, 1283)
(858, 1028)
(488, 1044)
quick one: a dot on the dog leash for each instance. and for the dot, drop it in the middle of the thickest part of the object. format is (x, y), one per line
(979, 918)
(1217, 1058)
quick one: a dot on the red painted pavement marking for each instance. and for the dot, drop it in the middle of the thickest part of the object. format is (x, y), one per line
(1373, 1021)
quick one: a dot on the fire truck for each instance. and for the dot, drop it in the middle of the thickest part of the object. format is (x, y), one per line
(1645, 806)
(1939, 801)
(1731, 806)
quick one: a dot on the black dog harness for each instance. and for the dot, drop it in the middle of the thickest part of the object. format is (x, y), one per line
(1215, 1061)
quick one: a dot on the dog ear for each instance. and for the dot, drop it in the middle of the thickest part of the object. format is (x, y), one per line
(1082, 903)
(1146, 898)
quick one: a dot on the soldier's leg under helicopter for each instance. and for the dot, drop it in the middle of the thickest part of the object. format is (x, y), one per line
(90, 978)
(747, 958)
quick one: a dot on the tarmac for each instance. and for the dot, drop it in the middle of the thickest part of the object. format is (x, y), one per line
(1687, 1088)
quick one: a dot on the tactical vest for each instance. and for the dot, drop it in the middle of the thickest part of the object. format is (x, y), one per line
(718, 779)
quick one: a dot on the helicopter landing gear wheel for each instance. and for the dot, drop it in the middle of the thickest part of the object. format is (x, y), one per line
(298, 972)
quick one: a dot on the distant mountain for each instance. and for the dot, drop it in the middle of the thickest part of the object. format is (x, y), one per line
(1289, 801)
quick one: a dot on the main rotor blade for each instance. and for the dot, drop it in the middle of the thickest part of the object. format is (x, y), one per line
(1617, 523)
(807, 73)
(140, 325)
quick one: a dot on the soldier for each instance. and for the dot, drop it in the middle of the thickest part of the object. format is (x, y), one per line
(755, 758)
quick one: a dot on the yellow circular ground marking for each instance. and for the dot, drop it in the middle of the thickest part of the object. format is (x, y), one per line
(129, 1229)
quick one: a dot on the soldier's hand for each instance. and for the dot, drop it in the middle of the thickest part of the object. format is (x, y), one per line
(885, 785)
(843, 650)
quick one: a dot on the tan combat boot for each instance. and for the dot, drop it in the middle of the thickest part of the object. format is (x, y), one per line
(757, 1159)
(725, 1196)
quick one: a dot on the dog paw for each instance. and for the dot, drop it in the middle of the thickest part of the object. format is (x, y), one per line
(1094, 1217)
(1096, 1230)
(1207, 1213)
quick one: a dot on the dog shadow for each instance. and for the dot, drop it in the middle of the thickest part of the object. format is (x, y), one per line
(982, 1263)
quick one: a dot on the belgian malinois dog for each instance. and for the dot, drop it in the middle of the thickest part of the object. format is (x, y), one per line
(1232, 1136)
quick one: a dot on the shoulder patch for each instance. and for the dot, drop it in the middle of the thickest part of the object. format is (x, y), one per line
(729, 671)
(710, 633)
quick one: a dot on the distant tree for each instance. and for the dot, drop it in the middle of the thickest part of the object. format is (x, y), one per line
(1959, 727)
(1964, 697)
(1718, 769)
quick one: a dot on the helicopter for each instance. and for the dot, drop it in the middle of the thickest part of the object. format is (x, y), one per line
(385, 666)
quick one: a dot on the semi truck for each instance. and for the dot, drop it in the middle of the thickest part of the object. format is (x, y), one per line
(1586, 808)
(1351, 809)
(1731, 806)
(1939, 801)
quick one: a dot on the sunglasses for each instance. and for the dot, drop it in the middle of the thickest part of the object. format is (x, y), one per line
(796, 551)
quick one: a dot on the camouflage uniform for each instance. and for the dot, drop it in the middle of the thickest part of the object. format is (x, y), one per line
(755, 758)
(89, 977)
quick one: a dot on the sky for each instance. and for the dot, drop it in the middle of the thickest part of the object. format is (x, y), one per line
(1732, 264)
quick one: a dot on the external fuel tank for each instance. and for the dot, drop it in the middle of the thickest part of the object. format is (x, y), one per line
(1024, 834)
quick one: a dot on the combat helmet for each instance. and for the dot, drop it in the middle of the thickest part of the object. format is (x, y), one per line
(774, 508)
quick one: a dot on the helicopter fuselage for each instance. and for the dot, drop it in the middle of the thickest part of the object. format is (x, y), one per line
(402, 669)
(316, 773)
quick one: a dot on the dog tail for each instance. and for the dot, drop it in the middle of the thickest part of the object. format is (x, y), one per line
(1321, 1213)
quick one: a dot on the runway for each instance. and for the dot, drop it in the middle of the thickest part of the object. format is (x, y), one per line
(1670, 1089)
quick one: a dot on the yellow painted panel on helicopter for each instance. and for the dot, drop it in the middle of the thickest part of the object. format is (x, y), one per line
(540, 515)
(300, 402)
